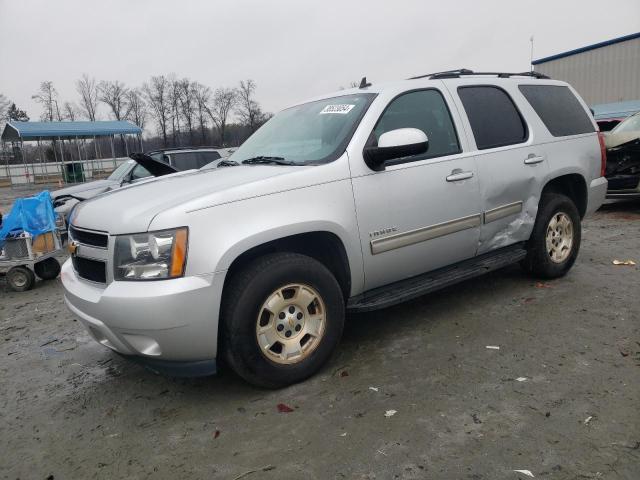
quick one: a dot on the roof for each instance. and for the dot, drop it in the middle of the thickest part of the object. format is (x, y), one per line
(606, 111)
(52, 130)
(587, 48)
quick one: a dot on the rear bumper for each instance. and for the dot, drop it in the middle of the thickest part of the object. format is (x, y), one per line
(169, 325)
(596, 194)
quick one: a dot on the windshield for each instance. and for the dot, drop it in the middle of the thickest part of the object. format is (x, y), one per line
(311, 133)
(631, 124)
(119, 173)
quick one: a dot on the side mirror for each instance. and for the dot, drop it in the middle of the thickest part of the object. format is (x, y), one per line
(402, 142)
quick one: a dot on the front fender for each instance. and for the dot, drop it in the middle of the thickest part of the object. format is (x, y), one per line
(220, 234)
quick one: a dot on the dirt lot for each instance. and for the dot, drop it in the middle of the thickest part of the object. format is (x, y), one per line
(560, 397)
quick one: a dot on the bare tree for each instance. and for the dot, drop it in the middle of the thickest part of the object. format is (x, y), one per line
(202, 96)
(47, 96)
(249, 110)
(174, 103)
(88, 91)
(136, 108)
(224, 100)
(70, 111)
(187, 104)
(4, 107)
(157, 92)
(114, 95)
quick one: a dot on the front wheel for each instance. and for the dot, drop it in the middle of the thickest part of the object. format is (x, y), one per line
(20, 279)
(555, 240)
(47, 269)
(282, 318)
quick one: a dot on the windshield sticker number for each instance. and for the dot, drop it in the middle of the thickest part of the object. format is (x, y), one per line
(340, 109)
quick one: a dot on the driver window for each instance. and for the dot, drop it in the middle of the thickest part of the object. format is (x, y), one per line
(425, 110)
(139, 172)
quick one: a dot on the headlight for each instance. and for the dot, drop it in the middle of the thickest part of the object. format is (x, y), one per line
(151, 256)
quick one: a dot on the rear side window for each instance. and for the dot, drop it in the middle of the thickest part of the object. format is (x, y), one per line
(494, 118)
(558, 108)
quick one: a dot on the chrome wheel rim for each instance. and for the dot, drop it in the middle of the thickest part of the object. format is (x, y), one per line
(291, 323)
(559, 237)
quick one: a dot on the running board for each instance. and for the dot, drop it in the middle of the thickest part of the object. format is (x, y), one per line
(417, 286)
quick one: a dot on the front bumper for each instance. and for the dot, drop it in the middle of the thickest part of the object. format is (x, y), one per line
(159, 322)
(596, 194)
(624, 186)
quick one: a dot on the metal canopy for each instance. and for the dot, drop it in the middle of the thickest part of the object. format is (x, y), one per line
(23, 131)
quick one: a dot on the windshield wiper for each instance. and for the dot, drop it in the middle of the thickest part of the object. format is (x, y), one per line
(267, 160)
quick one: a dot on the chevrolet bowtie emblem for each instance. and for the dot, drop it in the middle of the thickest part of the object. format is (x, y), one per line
(73, 248)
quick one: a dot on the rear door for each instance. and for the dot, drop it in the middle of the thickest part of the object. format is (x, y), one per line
(512, 168)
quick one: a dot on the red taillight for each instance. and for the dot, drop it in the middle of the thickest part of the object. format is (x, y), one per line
(603, 154)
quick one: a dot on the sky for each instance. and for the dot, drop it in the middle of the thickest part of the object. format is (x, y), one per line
(292, 49)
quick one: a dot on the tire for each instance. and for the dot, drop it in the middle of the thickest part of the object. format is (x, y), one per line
(47, 269)
(557, 260)
(247, 324)
(20, 279)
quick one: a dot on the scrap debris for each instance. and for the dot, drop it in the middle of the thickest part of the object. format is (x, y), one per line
(630, 263)
(521, 379)
(588, 419)
(390, 413)
(282, 408)
(375, 389)
(525, 472)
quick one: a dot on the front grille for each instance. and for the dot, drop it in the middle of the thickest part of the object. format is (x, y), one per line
(100, 240)
(93, 270)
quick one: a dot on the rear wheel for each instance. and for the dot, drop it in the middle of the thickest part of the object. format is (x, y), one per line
(555, 240)
(20, 279)
(282, 318)
(47, 269)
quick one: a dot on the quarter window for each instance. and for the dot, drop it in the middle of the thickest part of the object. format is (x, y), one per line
(495, 120)
(425, 110)
(558, 108)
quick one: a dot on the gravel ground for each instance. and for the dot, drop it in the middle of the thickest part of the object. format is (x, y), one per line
(413, 391)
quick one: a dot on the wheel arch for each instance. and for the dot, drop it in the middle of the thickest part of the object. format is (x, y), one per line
(322, 245)
(574, 186)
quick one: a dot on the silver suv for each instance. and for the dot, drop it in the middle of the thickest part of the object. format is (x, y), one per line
(351, 201)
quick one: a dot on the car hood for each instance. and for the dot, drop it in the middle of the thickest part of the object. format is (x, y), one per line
(612, 139)
(86, 190)
(131, 209)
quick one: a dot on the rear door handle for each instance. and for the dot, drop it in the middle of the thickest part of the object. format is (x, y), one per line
(457, 175)
(532, 159)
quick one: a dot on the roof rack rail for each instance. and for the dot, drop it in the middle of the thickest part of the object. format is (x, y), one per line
(466, 72)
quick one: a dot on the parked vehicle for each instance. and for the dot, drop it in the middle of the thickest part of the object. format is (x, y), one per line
(356, 200)
(131, 171)
(623, 159)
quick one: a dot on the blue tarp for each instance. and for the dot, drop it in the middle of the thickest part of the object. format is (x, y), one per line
(33, 214)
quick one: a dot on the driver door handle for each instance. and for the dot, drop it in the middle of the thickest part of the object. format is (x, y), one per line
(458, 175)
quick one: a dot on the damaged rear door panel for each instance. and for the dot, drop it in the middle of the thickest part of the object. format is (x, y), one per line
(511, 169)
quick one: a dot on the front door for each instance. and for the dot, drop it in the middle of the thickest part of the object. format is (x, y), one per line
(423, 212)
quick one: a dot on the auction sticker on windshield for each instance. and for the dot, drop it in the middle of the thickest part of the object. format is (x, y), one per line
(341, 109)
